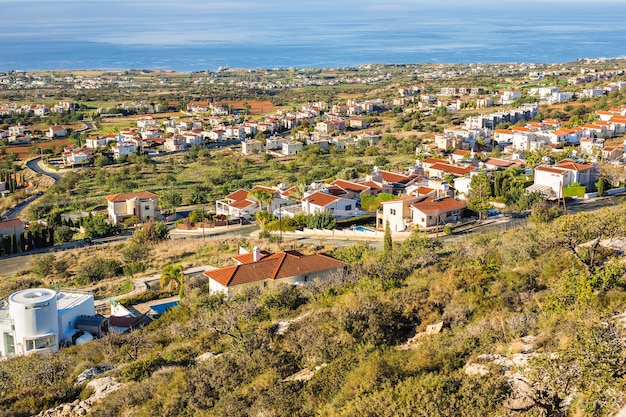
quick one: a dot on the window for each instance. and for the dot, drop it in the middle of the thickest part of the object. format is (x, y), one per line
(392, 212)
(40, 343)
(9, 342)
(430, 217)
(349, 207)
(146, 208)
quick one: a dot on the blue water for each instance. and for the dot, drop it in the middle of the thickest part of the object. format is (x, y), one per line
(363, 229)
(198, 35)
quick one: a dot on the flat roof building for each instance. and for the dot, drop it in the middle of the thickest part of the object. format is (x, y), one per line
(40, 320)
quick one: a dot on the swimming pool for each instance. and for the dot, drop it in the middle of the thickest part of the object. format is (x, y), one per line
(362, 229)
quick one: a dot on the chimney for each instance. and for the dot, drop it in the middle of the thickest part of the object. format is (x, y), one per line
(256, 254)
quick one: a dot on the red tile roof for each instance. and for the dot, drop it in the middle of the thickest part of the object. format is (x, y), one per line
(276, 266)
(372, 185)
(425, 190)
(573, 166)
(349, 186)
(241, 204)
(238, 195)
(10, 223)
(452, 169)
(499, 162)
(438, 205)
(550, 169)
(247, 258)
(320, 199)
(142, 195)
(396, 177)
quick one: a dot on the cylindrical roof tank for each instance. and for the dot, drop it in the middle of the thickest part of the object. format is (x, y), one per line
(86, 337)
(34, 312)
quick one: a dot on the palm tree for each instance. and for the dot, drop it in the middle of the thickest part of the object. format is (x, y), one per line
(301, 189)
(263, 197)
(172, 277)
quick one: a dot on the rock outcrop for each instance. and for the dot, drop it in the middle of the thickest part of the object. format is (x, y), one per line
(101, 387)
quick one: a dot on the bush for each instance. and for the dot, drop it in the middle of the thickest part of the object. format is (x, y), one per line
(63, 234)
(43, 265)
(97, 226)
(97, 269)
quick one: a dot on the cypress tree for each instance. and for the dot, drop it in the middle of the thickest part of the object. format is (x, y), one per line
(13, 243)
(6, 241)
(388, 242)
(22, 242)
(51, 236)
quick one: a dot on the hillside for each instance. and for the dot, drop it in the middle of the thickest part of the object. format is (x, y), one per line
(526, 323)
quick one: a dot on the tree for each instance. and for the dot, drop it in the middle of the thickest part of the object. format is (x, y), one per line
(614, 173)
(479, 194)
(262, 197)
(63, 234)
(172, 277)
(321, 220)
(388, 241)
(100, 161)
(601, 186)
(581, 234)
(43, 265)
(171, 198)
(263, 217)
(97, 226)
(151, 232)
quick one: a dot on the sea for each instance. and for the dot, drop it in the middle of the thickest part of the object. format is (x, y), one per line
(194, 35)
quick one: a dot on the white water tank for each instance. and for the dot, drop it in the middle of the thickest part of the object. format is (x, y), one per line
(84, 338)
(35, 319)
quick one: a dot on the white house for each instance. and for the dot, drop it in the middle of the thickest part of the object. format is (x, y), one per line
(237, 205)
(39, 320)
(78, 156)
(251, 147)
(319, 202)
(141, 204)
(123, 148)
(95, 142)
(433, 211)
(57, 132)
(292, 148)
(397, 212)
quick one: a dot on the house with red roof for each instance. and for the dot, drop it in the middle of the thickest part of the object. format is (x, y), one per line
(57, 132)
(441, 170)
(433, 211)
(550, 180)
(266, 270)
(612, 153)
(324, 201)
(10, 227)
(237, 204)
(352, 190)
(397, 212)
(141, 204)
(76, 156)
(494, 164)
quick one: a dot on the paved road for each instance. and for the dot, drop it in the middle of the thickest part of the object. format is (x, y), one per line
(10, 266)
(14, 212)
(35, 165)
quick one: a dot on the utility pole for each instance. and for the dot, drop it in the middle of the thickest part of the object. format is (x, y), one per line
(203, 221)
(280, 223)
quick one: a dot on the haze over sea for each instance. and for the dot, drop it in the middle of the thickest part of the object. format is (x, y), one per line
(198, 35)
